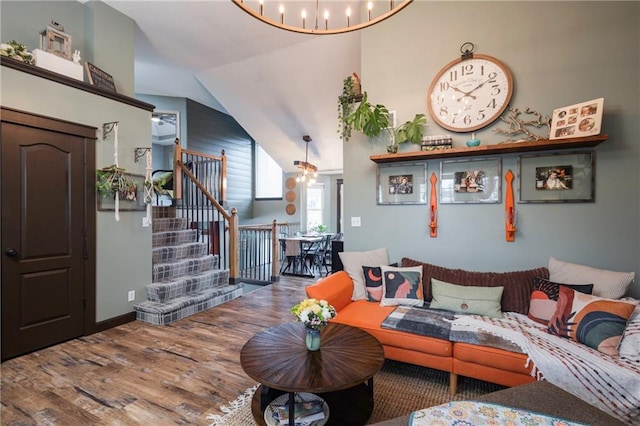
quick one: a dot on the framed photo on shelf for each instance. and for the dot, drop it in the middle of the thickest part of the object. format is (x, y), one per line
(129, 201)
(574, 121)
(556, 178)
(402, 183)
(470, 181)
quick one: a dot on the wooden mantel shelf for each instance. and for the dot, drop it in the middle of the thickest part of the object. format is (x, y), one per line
(72, 82)
(504, 148)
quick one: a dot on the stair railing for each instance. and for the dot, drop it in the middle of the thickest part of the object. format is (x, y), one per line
(200, 180)
(260, 250)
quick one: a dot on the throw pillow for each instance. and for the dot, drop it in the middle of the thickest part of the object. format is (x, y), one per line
(594, 321)
(544, 298)
(630, 344)
(353, 261)
(466, 299)
(373, 282)
(401, 286)
(606, 283)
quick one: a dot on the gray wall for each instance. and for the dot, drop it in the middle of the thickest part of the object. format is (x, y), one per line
(560, 53)
(124, 247)
(211, 131)
(103, 36)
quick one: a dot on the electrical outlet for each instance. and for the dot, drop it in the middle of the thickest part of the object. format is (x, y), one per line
(131, 296)
(355, 221)
(145, 222)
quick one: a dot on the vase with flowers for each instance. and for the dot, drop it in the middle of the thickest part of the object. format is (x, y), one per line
(314, 314)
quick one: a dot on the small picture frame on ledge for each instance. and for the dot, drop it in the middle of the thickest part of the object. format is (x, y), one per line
(55, 41)
(402, 184)
(574, 121)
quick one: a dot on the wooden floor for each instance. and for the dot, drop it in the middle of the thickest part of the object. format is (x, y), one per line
(141, 374)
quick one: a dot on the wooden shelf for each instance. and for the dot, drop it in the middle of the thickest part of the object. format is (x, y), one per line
(72, 82)
(505, 148)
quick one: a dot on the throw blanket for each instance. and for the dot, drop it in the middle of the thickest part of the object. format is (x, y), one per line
(458, 413)
(611, 384)
(437, 323)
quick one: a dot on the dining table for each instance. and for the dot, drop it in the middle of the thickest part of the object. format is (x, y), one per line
(298, 247)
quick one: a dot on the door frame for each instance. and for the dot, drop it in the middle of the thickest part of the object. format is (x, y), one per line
(10, 115)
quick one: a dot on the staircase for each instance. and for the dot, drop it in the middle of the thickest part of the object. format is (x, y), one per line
(186, 280)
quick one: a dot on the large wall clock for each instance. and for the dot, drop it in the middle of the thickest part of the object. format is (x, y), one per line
(469, 93)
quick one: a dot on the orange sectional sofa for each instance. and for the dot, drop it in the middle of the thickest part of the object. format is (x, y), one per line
(481, 362)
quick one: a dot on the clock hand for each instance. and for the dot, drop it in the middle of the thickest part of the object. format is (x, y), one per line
(480, 85)
(464, 94)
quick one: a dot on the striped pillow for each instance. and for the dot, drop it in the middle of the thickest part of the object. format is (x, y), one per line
(630, 344)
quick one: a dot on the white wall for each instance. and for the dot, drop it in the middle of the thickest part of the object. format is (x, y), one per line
(560, 54)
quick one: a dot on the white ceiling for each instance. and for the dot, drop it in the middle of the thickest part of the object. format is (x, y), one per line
(277, 84)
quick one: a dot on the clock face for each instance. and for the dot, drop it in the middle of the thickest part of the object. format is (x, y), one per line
(469, 94)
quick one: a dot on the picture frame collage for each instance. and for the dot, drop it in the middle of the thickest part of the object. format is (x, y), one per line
(541, 178)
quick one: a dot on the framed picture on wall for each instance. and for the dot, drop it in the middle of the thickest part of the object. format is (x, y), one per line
(402, 183)
(556, 178)
(470, 181)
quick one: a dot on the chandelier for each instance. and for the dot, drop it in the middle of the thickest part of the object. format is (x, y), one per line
(321, 17)
(308, 172)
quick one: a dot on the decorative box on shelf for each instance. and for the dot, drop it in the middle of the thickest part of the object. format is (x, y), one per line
(57, 64)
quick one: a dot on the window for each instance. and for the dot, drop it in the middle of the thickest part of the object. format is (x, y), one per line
(315, 195)
(268, 176)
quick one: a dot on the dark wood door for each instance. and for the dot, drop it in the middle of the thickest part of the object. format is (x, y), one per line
(45, 223)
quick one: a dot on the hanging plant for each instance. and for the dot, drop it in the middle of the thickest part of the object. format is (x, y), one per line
(350, 94)
(112, 179)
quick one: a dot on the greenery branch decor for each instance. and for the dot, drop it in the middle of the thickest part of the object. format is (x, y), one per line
(17, 51)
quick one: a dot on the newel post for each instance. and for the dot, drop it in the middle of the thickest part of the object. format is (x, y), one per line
(177, 171)
(234, 247)
(275, 249)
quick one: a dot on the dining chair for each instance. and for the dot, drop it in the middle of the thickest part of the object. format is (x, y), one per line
(289, 257)
(318, 256)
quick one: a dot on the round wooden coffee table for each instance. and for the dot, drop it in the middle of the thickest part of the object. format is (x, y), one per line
(340, 372)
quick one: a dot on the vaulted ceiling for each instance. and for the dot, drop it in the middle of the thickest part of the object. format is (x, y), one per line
(278, 85)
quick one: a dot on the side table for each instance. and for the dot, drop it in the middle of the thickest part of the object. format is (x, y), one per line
(340, 372)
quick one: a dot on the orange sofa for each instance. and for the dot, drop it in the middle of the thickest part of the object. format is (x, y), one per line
(481, 362)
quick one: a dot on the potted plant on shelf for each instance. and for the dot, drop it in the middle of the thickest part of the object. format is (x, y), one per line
(411, 131)
(373, 119)
(351, 93)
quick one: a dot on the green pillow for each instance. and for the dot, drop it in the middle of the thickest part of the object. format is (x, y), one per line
(466, 299)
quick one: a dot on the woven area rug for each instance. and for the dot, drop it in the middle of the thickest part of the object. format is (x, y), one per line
(399, 389)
